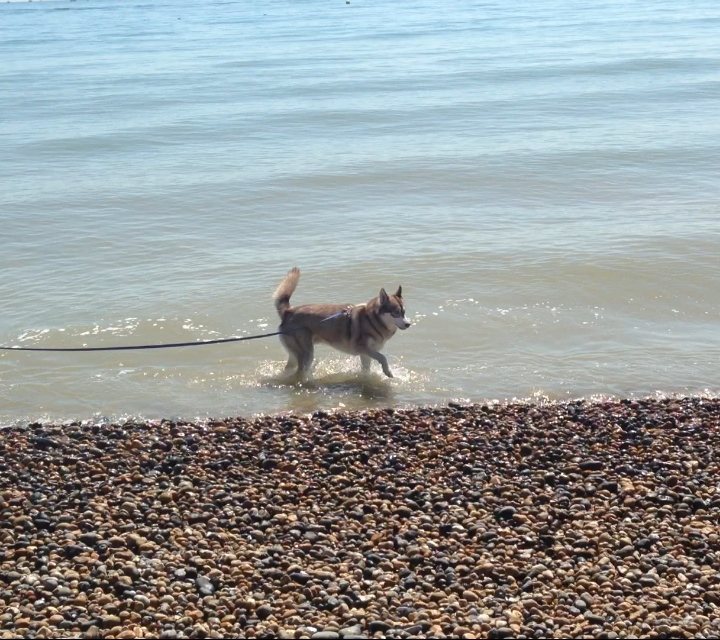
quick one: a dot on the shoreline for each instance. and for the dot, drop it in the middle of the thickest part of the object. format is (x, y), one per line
(568, 519)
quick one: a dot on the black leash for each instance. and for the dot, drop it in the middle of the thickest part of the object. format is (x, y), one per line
(168, 345)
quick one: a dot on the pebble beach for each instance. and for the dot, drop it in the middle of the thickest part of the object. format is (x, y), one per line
(581, 519)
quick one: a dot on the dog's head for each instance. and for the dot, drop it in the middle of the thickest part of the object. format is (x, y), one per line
(394, 307)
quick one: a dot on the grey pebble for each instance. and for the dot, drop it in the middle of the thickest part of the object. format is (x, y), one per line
(205, 586)
(376, 626)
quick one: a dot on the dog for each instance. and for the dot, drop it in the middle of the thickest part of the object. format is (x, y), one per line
(360, 330)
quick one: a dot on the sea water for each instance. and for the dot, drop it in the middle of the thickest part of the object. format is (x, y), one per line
(541, 177)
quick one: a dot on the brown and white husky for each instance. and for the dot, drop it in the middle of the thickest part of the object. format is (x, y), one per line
(359, 330)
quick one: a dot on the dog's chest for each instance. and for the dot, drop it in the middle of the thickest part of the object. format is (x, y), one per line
(375, 344)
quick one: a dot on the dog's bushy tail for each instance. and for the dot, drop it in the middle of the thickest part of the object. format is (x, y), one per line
(285, 290)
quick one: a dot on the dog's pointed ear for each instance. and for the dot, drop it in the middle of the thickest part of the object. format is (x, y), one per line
(398, 293)
(383, 297)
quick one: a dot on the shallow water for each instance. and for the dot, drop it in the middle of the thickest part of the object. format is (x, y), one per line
(541, 179)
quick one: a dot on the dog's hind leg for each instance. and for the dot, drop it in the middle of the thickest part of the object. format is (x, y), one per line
(365, 363)
(306, 361)
(292, 363)
(291, 347)
(306, 353)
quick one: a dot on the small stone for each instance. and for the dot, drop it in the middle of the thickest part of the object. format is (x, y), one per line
(90, 539)
(470, 595)
(110, 621)
(354, 630)
(376, 626)
(43, 443)
(300, 576)
(72, 550)
(205, 586)
(647, 581)
(505, 513)
(593, 618)
(263, 611)
(501, 632)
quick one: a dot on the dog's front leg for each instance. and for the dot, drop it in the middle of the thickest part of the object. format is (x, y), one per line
(376, 355)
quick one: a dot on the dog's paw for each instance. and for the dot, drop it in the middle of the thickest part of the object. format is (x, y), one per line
(388, 373)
